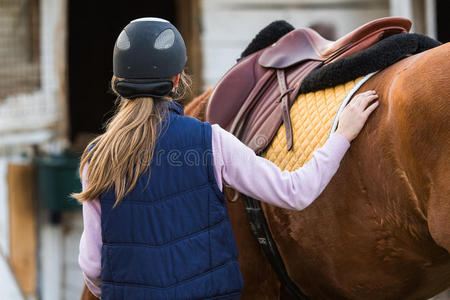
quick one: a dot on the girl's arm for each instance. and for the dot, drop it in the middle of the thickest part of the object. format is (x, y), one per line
(89, 258)
(259, 178)
(238, 166)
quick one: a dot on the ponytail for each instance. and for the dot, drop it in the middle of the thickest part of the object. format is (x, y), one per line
(120, 155)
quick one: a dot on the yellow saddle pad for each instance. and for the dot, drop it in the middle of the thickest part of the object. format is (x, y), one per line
(312, 116)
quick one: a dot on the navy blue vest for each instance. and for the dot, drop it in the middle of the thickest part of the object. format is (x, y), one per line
(170, 238)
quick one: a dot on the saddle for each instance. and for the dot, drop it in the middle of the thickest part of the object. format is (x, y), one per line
(253, 99)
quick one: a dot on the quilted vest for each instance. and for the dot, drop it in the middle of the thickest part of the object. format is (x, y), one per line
(170, 237)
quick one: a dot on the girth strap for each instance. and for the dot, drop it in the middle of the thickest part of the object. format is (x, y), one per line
(261, 230)
(284, 99)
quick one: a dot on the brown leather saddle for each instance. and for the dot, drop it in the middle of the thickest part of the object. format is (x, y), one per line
(254, 97)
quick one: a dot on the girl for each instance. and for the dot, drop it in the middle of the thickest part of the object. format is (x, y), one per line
(155, 221)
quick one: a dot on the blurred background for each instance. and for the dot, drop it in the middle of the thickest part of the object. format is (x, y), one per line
(55, 67)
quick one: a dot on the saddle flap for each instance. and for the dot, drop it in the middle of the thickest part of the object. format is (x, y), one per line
(232, 90)
(293, 48)
(259, 125)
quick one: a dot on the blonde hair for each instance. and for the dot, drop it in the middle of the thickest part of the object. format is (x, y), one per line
(120, 155)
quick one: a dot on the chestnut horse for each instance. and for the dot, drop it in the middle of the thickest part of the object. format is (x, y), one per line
(381, 229)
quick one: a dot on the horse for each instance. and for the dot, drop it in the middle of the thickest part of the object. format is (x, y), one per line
(380, 230)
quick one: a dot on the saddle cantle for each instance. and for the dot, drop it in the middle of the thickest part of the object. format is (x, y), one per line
(314, 47)
(275, 73)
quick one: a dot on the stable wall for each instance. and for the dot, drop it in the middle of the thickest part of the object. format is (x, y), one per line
(229, 25)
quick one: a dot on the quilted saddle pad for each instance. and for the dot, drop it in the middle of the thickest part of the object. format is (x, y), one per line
(312, 117)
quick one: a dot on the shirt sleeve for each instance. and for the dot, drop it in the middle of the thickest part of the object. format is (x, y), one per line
(89, 257)
(237, 165)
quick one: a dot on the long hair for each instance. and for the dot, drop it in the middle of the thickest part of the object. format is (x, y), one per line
(119, 156)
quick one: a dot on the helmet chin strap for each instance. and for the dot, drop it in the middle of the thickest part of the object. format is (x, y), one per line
(135, 88)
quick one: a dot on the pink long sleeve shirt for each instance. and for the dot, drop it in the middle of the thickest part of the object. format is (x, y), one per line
(236, 165)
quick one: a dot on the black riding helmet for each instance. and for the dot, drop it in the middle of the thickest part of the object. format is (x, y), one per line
(147, 53)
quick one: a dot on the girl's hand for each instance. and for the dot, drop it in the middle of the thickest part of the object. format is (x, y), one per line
(355, 114)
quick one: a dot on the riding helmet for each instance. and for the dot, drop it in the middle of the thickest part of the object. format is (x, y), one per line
(147, 53)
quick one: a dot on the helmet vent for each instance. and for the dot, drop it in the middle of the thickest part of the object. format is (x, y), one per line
(165, 39)
(123, 42)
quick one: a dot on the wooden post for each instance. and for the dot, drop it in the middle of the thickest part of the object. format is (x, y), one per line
(188, 16)
(21, 191)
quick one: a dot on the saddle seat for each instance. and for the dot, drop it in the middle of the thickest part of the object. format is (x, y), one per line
(275, 73)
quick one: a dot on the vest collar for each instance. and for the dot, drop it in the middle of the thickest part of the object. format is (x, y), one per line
(176, 107)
